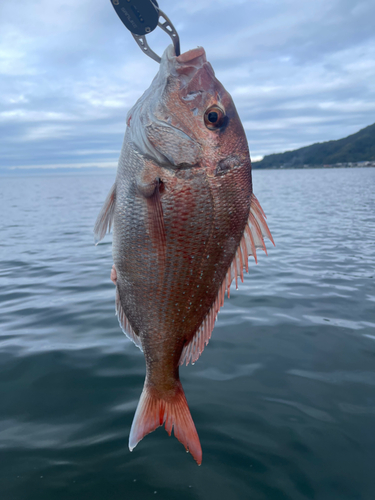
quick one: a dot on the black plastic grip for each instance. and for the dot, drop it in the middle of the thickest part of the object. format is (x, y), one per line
(139, 16)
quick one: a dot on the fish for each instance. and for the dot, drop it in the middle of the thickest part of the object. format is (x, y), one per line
(185, 220)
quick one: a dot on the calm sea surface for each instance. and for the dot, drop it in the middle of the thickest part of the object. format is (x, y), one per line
(283, 397)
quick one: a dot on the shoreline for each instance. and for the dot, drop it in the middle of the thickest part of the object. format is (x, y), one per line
(112, 171)
(359, 164)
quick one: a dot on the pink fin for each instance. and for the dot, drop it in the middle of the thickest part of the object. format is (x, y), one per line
(105, 217)
(152, 412)
(256, 228)
(156, 224)
(193, 349)
(156, 227)
(125, 324)
(260, 217)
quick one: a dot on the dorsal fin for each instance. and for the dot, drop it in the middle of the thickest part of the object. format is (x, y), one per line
(125, 324)
(256, 228)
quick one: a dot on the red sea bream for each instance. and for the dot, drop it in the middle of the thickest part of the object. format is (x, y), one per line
(184, 220)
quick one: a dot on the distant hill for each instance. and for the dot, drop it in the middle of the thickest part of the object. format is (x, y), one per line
(357, 147)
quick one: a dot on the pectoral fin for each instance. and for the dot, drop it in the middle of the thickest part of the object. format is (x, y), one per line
(151, 191)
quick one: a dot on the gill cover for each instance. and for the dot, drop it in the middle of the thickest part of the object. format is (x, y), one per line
(151, 129)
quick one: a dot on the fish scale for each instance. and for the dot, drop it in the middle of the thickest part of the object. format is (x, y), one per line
(184, 222)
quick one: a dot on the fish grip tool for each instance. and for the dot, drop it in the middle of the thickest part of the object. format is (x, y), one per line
(141, 17)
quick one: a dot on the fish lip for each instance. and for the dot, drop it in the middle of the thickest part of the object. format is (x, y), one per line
(191, 54)
(182, 67)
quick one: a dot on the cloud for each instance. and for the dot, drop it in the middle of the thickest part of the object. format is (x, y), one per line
(299, 72)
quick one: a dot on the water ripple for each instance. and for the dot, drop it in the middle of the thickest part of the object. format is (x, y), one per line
(282, 397)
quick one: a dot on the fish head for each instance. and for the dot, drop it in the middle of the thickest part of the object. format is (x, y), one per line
(187, 118)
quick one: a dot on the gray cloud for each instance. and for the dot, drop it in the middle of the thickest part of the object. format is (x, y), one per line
(299, 72)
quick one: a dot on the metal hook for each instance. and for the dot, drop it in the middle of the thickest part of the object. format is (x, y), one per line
(166, 26)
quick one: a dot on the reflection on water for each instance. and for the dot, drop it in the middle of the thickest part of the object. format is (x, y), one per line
(283, 396)
(308, 410)
(337, 377)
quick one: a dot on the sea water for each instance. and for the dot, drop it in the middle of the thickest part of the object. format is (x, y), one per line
(283, 397)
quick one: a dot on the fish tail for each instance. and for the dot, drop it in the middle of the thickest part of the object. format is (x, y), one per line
(153, 411)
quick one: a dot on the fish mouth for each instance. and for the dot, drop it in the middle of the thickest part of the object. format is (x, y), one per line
(190, 55)
(188, 63)
(185, 64)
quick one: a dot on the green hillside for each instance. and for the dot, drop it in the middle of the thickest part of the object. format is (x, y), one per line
(354, 148)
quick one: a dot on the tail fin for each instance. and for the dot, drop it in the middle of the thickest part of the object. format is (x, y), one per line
(174, 411)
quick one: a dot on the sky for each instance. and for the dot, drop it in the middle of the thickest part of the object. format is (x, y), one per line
(299, 72)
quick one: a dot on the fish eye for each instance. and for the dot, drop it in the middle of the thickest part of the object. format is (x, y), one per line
(214, 118)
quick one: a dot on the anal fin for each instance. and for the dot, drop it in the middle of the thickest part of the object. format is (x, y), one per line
(253, 238)
(125, 323)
